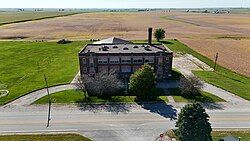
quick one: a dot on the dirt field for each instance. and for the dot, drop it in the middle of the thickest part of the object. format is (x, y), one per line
(8, 17)
(227, 34)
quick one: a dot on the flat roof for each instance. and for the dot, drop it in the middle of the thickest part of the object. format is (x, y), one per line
(125, 48)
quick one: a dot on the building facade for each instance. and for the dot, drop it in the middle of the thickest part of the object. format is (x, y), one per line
(125, 58)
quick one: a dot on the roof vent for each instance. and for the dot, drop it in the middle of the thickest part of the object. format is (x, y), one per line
(125, 48)
(135, 46)
(147, 48)
(115, 46)
(105, 48)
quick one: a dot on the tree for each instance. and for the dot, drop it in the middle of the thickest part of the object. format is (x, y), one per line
(102, 84)
(143, 82)
(193, 124)
(190, 86)
(159, 34)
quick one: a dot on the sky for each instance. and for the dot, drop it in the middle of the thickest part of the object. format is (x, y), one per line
(122, 3)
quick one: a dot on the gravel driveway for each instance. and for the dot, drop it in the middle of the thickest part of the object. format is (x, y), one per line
(187, 63)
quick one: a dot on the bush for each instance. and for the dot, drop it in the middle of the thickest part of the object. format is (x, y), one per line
(143, 83)
(64, 41)
(190, 86)
(103, 85)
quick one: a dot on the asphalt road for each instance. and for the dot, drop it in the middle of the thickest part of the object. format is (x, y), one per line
(132, 123)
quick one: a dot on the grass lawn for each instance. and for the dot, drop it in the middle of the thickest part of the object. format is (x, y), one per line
(245, 135)
(75, 96)
(23, 64)
(204, 97)
(15, 17)
(224, 78)
(47, 137)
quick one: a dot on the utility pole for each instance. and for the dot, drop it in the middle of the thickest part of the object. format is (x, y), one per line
(215, 61)
(49, 112)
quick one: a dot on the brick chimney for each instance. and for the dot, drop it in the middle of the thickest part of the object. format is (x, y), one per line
(149, 35)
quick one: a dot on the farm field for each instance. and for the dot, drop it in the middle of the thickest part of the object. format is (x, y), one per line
(14, 17)
(23, 65)
(222, 77)
(227, 34)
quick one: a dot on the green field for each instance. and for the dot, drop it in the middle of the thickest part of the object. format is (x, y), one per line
(76, 96)
(23, 65)
(15, 17)
(245, 135)
(47, 137)
(224, 78)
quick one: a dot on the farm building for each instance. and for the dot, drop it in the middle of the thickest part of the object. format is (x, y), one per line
(124, 57)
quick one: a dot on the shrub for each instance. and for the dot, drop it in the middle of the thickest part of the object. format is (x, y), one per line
(143, 83)
(190, 86)
(64, 41)
(102, 84)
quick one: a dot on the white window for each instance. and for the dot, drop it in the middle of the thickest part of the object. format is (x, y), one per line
(167, 59)
(138, 59)
(114, 60)
(149, 59)
(102, 60)
(84, 60)
(126, 59)
(85, 69)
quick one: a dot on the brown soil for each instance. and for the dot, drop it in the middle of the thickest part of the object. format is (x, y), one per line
(227, 34)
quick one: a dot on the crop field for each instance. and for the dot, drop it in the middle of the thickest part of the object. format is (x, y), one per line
(23, 65)
(227, 34)
(14, 17)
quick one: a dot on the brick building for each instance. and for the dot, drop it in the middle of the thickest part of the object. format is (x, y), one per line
(124, 57)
